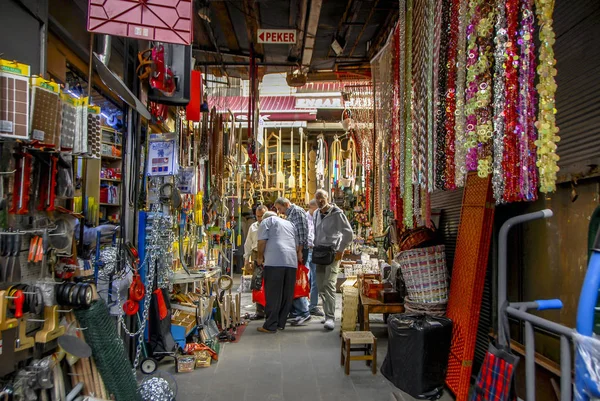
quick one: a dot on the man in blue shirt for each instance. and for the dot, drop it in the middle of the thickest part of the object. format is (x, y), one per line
(277, 251)
(298, 217)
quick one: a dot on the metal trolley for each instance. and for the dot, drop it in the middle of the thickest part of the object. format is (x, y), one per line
(587, 351)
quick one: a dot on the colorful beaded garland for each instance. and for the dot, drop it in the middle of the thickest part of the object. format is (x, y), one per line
(499, 100)
(526, 110)
(547, 162)
(509, 161)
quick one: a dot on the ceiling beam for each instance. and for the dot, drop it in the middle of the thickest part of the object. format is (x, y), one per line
(383, 34)
(251, 14)
(311, 31)
(300, 23)
(224, 20)
(354, 11)
(340, 24)
(363, 28)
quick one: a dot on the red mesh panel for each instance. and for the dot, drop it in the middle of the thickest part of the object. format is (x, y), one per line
(468, 277)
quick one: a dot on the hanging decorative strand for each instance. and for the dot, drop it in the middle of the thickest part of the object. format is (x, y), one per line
(420, 42)
(499, 100)
(394, 143)
(402, 91)
(408, 169)
(546, 123)
(478, 113)
(459, 126)
(450, 120)
(439, 80)
(527, 100)
(429, 82)
(510, 168)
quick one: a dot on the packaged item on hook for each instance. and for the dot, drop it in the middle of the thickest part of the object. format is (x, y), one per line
(14, 99)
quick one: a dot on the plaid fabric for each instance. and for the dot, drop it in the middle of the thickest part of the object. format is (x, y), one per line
(495, 378)
(297, 216)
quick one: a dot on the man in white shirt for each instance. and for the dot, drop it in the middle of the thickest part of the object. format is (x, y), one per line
(251, 253)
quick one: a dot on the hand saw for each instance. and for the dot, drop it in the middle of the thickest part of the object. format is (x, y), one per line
(21, 183)
(48, 187)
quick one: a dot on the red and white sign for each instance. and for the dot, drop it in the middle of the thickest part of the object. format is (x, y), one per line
(276, 36)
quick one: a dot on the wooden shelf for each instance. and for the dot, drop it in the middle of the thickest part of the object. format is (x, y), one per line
(107, 157)
(110, 204)
(109, 180)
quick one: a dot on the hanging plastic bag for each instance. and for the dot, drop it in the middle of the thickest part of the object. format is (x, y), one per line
(302, 286)
(496, 379)
(587, 367)
(258, 296)
(496, 376)
(257, 278)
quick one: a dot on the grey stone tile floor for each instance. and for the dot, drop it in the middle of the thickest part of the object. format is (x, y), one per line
(297, 364)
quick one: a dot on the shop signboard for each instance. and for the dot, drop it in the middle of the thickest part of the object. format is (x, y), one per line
(276, 36)
(335, 102)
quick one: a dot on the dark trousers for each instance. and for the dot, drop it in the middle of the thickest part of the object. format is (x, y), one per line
(279, 293)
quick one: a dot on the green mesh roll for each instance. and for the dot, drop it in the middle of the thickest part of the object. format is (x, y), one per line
(108, 351)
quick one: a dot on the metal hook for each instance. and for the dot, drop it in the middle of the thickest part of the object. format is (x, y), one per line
(7, 172)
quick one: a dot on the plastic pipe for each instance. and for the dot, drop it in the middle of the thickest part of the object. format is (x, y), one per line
(529, 362)
(565, 369)
(502, 257)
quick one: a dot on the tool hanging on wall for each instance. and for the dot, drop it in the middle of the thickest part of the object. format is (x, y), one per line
(48, 185)
(349, 158)
(292, 178)
(307, 177)
(301, 184)
(21, 184)
(321, 161)
(336, 154)
(52, 328)
(11, 270)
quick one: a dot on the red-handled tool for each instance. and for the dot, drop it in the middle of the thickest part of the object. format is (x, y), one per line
(48, 187)
(18, 301)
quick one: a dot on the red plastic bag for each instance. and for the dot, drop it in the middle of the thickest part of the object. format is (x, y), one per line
(302, 287)
(259, 296)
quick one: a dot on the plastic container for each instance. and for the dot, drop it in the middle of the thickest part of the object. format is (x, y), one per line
(417, 357)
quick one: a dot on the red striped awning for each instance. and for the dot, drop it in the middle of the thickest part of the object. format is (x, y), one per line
(239, 104)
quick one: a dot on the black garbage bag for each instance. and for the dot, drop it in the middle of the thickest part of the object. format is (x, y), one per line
(417, 356)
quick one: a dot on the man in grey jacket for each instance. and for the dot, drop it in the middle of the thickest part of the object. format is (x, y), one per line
(332, 229)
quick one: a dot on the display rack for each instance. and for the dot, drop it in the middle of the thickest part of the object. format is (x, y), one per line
(110, 174)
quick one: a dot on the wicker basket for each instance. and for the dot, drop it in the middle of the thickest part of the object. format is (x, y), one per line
(425, 274)
(431, 309)
(349, 307)
(410, 239)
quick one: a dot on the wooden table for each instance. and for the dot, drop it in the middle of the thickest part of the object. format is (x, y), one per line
(369, 305)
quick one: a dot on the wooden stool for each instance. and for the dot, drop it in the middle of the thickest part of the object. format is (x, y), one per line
(368, 344)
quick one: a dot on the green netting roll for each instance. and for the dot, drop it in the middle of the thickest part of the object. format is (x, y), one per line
(108, 351)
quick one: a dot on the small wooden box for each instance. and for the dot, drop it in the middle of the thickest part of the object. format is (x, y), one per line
(388, 295)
